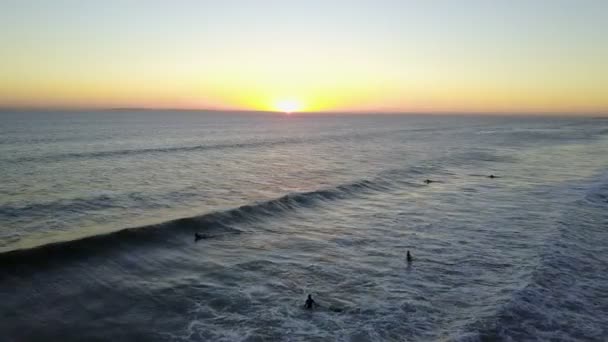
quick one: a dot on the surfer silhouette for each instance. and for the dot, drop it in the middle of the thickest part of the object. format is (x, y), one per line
(428, 181)
(310, 303)
(492, 176)
(409, 257)
(199, 236)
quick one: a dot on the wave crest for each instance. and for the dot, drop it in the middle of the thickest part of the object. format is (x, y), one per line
(164, 233)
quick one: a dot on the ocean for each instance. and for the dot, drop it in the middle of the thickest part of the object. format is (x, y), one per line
(99, 211)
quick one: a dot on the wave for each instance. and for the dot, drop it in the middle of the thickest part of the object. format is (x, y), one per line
(221, 222)
(578, 132)
(102, 201)
(565, 296)
(598, 195)
(482, 155)
(128, 152)
(194, 148)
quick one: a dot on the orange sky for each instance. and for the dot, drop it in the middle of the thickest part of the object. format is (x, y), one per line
(391, 56)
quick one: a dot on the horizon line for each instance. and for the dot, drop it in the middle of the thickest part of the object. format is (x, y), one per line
(337, 112)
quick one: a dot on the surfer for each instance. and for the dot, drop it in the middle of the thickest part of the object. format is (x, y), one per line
(428, 181)
(492, 176)
(409, 257)
(310, 303)
(199, 236)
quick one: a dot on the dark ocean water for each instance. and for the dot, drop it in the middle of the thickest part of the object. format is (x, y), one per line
(292, 205)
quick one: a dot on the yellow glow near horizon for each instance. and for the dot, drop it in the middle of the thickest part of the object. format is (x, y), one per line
(361, 57)
(288, 105)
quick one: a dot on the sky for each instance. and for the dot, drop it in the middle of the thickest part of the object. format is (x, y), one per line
(491, 56)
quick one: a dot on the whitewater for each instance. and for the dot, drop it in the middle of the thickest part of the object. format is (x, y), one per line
(98, 212)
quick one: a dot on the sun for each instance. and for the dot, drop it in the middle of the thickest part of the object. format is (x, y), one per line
(288, 106)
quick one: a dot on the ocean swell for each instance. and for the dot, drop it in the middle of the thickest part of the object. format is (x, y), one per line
(220, 222)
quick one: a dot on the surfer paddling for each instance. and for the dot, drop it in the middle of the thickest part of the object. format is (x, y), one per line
(409, 257)
(199, 236)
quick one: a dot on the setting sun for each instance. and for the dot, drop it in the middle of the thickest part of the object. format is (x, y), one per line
(288, 106)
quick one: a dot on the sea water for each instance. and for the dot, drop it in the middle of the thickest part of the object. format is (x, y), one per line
(98, 212)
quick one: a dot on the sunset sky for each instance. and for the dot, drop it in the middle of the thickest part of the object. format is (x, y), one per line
(314, 55)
